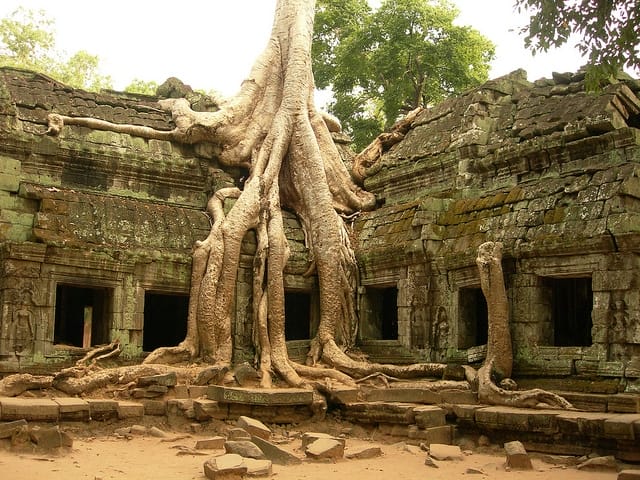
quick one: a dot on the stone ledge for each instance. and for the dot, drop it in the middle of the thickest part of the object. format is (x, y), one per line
(247, 396)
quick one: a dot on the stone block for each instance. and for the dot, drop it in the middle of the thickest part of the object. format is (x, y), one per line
(406, 395)
(258, 467)
(254, 427)
(30, 409)
(621, 427)
(181, 391)
(440, 451)
(274, 453)
(442, 434)
(7, 429)
(629, 475)
(206, 409)
(429, 416)
(73, 409)
(517, 456)
(244, 448)
(325, 448)
(130, 410)
(589, 424)
(228, 466)
(256, 396)
(154, 407)
(101, 409)
(166, 380)
(50, 437)
(458, 396)
(310, 437)
(182, 407)
(363, 453)
(213, 443)
(624, 403)
(197, 391)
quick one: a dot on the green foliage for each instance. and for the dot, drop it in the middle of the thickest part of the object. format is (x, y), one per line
(27, 40)
(382, 63)
(608, 31)
(142, 86)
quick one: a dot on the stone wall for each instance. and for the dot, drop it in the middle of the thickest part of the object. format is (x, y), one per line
(552, 172)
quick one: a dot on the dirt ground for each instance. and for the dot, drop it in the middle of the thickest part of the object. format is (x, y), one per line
(105, 457)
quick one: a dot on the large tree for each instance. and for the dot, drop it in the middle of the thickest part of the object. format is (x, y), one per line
(607, 31)
(380, 64)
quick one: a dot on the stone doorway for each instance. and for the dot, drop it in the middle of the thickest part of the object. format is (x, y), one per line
(473, 322)
(297, 308)
(570, 304)
(380, 314)
(82, 316)
(165, 320)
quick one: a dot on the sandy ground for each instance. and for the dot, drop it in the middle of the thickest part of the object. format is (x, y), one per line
(107, 457)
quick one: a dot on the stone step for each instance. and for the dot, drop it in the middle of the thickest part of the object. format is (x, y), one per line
(67, 409)
(260, 396)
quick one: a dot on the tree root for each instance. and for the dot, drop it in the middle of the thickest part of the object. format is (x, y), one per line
(14, 385)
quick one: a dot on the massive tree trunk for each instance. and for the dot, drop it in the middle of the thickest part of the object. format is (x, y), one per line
(272, 128)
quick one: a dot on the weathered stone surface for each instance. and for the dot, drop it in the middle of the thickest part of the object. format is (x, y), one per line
(274, 453)
(517, 456)
(102, 409)
(73, 409)
(363, 453)
(244, 448)
(238, 434)
(166, 380)
(310, 437)
(254, 427)
(30, 409)
(50, 437)
(228, 467)
(7, 429)
(429, 416)
(256, 396)
(440, 451)
(130, 410)
(325, 448)
(157, 432)
(630, 474)
(205, 409)
(213, 443)
(258, 467)
(442, 434)
(607, 463)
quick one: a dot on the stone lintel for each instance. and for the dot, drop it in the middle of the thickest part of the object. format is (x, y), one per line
(256, 396)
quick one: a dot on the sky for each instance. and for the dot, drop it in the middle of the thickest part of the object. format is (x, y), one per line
(211, 44)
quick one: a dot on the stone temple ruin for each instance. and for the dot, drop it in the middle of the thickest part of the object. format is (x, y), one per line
(97, 230)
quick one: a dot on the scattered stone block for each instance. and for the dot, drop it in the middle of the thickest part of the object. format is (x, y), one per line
(130, 410)
(122, 432)
(211, 375)
(7, 429)
(413, 449)
(73, 409)
(138, 430)
(243, 448)
(274, 453)
(228, 467)
(517, 457)
(246, 375)
(325, 448)
(156, 432)
(258, 467)
(213, 443)
(430, 462)
(440, 451)
(629, 475)
(49, 438)
(310, 437)
(600, 464)
(364, 453)
(254, 427)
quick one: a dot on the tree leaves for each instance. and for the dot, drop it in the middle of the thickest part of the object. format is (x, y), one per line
(381, 64)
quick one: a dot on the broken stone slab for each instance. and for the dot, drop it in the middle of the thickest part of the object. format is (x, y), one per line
(607, 463)
(213, 443)
(228, 467)
(213, 374)
(274, 453)
(254, 427)
(49, 438)
(440, 451)
(156, 432)
(310, 437)
(430, 462)
(629, 475)
(257, 396)
(7, 429)
(205, 409)
(244, 448)
(138, 430)
(363, 453)
(166, 380)
(258, 467)
(517, 457)
(325, 448)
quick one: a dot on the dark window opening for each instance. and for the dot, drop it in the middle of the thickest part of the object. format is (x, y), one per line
(571, 307)
(473, 318)
(380, 314)
(82, 317)
(165, 320)
(389, 310)
(297, 314)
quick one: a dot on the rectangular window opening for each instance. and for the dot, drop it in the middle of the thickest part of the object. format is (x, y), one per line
(571, 304)
(82, 316)
(165, 320)
(473, 321)
(297, 314)
(380, 314)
